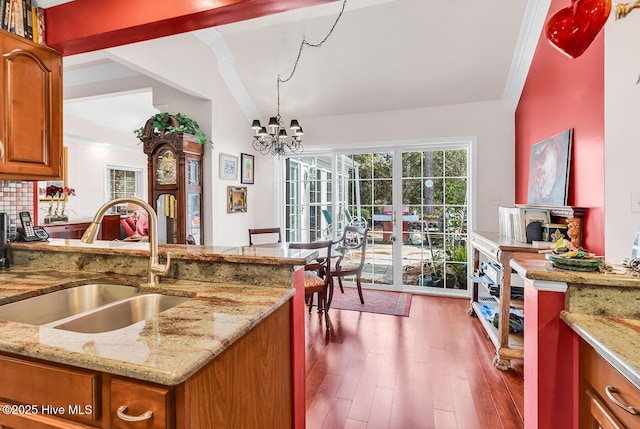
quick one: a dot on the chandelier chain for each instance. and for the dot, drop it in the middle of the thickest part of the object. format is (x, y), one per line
(312, 45)
(275, 141)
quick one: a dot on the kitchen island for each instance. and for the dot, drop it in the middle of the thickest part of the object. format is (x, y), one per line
(232, 343)
(576, 321)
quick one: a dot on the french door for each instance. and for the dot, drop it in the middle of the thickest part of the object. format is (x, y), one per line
(414, 202)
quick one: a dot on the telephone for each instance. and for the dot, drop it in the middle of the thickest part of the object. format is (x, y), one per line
(29, 232)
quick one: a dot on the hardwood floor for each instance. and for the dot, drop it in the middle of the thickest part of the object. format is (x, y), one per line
(430, 370)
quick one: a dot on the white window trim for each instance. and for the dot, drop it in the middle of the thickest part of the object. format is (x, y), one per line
(141, 188)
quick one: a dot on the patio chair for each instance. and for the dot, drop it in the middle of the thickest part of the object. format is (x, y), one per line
(257, 231)
(354, 220)
(327, 217)
(353, 243)
(317, 277)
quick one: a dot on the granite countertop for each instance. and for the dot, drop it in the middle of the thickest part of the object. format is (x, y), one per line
(602, 308)
(541, 269)
(166, 349)
(617, 340)
(275, 254)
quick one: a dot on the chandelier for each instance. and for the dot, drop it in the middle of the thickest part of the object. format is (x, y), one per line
(276, 141)
(273, 139)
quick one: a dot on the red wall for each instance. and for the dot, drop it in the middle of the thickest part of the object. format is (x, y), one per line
(562, 93)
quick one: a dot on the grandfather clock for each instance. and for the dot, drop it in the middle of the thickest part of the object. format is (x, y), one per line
(174, 164)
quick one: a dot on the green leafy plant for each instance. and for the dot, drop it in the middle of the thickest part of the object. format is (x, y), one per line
(161, 121)
(458, 255)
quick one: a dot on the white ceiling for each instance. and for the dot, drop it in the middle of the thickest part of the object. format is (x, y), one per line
(383, 55)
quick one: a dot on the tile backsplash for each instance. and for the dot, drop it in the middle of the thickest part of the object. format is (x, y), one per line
(15, 197)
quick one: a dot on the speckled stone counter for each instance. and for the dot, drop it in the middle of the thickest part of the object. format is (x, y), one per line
(166, 349)
(254, 265)
(602, 308)
(233, 289)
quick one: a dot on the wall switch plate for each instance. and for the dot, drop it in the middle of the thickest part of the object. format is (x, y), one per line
(635, 202)
(493, 199)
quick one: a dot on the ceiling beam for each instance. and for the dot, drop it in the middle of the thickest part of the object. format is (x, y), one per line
(89, 25)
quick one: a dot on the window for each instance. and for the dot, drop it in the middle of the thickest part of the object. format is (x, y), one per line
(123, 182)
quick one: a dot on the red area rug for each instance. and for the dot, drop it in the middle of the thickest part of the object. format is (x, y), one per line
(375, 301)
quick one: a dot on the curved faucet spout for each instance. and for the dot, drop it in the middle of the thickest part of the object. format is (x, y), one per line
(156, 269)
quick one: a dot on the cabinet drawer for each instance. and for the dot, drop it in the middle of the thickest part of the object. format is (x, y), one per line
(140, 398)
(74, 393)
(600, 375)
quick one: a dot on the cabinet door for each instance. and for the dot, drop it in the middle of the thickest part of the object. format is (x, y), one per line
(141, 405)
(31, 110)
(600, 417)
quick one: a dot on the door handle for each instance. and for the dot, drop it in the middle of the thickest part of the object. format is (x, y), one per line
(1, 150)
(393, 217)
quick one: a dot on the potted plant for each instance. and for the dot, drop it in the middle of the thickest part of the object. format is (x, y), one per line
(165, 122)
(457, 255)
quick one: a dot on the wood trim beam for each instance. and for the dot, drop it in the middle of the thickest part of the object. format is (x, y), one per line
(90, 25)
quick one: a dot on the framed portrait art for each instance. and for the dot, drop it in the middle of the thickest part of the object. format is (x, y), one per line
(246, 168)
(549, 170)
(236, 199)
(228, 166)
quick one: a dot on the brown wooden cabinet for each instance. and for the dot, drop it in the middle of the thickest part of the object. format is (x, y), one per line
(30, 109)
(607, 399)
(109, 228)
(249, 385)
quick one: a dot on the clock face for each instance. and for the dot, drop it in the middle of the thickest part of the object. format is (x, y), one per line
(166, 168)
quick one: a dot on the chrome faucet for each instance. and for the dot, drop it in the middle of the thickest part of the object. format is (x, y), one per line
(156, 269)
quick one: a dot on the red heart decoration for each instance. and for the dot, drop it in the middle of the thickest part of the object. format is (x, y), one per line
(572, 29)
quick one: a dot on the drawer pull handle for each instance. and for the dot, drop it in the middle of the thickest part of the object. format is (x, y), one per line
(610, 390)
(127, 418)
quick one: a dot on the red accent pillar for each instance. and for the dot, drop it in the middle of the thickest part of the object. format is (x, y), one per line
(298, 350)
(550, 363)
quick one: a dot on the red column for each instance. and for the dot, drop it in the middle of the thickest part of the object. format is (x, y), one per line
(550, 362)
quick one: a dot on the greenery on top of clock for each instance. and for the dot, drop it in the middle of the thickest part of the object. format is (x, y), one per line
(185, 125)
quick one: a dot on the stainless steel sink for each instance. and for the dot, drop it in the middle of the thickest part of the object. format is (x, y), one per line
(61, 304)
(122, 314)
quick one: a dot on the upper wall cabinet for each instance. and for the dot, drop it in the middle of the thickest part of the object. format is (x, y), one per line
(30, 110)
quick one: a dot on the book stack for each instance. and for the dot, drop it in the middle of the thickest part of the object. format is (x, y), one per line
(513, 221)
(22, 18)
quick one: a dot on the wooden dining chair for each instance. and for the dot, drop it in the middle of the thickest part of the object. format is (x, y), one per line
(317, 277)
(352, 244)
(257, 231)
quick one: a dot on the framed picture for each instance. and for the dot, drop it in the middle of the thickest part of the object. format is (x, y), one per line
(228, 166)
(246, 168)
(236, 199)
(549, 170)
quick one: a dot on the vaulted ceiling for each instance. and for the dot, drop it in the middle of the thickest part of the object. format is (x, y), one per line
(383, 55)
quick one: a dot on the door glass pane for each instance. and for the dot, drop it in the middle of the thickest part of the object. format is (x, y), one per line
(434, 234)
(369, 203)
(193, 219)
(167, 208)
(307, 196)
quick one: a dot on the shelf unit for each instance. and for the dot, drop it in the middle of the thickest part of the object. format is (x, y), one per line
(499, 249)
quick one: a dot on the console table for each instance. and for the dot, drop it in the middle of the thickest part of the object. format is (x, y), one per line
(499, 249)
